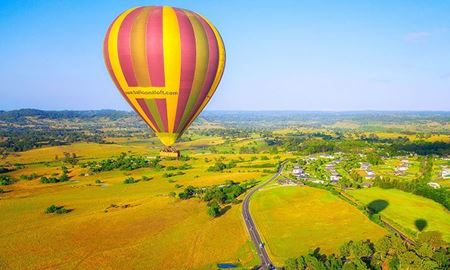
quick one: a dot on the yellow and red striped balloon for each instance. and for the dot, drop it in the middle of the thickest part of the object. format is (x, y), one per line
(167, 63)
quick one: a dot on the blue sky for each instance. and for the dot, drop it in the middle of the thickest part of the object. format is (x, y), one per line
(281, 55)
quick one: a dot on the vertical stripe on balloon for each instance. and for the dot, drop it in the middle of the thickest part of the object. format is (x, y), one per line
(124, 47)
(201, 65)
(188, 61)
(108, 61)
(172, 61)
(146, 110)
(155, 113)
(162, 112)
(155, 49)
(138, 48)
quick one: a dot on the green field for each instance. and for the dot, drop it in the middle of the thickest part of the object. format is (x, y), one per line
(294, 220)
(405, 209)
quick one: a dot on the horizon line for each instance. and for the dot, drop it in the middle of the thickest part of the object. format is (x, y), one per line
(231, 110)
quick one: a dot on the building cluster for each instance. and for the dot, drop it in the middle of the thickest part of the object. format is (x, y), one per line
(402, 168)
(365, 166)
(298, 172)
(334, 175)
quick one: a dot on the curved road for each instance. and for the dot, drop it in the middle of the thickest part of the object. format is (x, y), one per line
(254, 235)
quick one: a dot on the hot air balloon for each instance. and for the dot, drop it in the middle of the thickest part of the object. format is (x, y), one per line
(167, 63)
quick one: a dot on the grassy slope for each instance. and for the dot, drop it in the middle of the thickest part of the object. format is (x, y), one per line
(156, 230)
(405, 208)
(295, 220)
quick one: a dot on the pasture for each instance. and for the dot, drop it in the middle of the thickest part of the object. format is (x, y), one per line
(112, 224)
(407, 210)
(294, 220)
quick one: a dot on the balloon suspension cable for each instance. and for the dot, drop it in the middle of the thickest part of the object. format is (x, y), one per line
(170, 152)
(169, 149)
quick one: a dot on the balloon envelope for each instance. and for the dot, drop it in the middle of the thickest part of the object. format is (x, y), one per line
(166, 62)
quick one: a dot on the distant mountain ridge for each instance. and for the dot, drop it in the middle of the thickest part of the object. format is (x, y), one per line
(238, 116)
(15, 115)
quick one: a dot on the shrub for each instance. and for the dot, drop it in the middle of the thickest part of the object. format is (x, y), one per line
(98, 181)
(54, 179)
(129, 180)
(6, 180)
(169, 174)
(56, 209)
(29, 177)
(51, 209)
(184, 158)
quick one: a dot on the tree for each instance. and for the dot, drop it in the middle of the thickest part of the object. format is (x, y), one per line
(333, 263)
(214, 209)
(356, 264)
(291, 264)
(433, 239)
(129, 180)
(6, 180)
(64, 169)
(360, 249)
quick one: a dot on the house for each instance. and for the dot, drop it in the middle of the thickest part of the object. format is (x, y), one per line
(434, 185)
(370, 175)
(365, 165)
(445, 172)
(335, 178)
(403, 167)
(329, 166)
(299, 172)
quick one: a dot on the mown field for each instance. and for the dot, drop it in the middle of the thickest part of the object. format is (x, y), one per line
(112, 224)
(294, 220)
(406, 209)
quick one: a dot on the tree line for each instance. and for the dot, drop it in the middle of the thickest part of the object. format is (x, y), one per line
(217, 195)
(122, 162)
(390, 252)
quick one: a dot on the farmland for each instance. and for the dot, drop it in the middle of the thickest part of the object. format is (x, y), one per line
(115, 204)
(295, 220)
(110, 219)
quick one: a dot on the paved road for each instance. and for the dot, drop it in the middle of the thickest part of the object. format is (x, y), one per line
(256, 239)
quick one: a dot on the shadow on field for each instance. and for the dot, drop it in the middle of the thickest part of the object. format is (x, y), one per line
(376, 206)
(224, 210)
(421, 224)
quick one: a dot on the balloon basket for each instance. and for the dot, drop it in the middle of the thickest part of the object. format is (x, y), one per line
(169, 153)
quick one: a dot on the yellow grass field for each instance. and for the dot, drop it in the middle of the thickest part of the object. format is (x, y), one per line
(294, 220)
(147, 229)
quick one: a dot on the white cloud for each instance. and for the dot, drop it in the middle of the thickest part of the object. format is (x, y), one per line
(417, 36)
